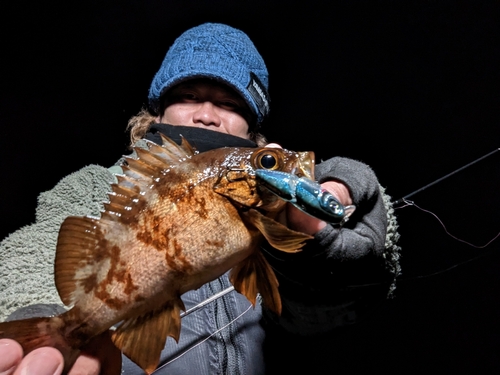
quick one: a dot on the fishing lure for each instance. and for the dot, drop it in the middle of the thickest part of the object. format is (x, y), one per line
(307, 195)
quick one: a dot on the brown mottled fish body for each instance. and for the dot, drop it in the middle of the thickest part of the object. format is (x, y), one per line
(175, 220)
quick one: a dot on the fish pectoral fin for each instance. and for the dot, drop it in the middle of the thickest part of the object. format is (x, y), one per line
(278, 235)
(255, 275)
(143, 338)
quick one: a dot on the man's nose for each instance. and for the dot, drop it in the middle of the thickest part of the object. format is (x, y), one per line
(207, 114)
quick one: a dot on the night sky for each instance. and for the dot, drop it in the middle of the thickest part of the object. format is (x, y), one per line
(411, 90)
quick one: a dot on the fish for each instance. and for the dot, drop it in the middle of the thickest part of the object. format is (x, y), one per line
(305, 194)
(175, 220)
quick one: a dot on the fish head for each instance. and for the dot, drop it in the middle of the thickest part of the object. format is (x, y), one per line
(237, 180)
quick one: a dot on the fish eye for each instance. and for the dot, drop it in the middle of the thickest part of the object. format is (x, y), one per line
(267, 158)
(267, 161)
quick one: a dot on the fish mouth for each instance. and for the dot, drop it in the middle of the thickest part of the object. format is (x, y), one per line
(306, 165)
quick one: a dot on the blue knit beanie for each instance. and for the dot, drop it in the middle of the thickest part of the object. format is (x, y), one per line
(220, 52)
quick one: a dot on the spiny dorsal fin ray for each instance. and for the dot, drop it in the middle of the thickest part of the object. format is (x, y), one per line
(278, 236)
(170, 153)
(157, 157)
(138, 175)
(135, 177)
(150, 157)
(142, 168)
(117, 203)
(158, 152)
(125, 200)
(118, 197)
(255, 275)
(184, 150)
(127, 185)
(186, 146)
(149, 331)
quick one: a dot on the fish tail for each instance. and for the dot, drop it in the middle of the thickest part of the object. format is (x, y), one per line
(35, 333)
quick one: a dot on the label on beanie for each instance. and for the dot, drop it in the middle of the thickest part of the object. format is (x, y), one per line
(259, 94)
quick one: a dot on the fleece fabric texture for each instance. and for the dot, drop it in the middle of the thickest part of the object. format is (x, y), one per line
(28, 254)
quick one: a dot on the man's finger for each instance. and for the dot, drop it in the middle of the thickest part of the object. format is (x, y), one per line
(42, 361)
(11, 354)
(99, 356)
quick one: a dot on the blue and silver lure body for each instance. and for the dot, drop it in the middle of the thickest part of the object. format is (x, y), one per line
(306, 195)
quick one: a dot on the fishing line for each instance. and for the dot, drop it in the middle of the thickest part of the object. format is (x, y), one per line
(209, 336)
(207, 301)
(401, 200)
(408, 203)
(411, 203)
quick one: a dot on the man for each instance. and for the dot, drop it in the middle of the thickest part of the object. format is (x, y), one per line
(212, 88)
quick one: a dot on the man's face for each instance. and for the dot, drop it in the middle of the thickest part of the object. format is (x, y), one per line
(203, 103)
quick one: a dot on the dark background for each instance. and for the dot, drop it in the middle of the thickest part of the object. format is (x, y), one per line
(411, 89)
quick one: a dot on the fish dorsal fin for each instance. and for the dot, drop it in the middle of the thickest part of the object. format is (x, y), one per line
(253, 275)
(75, 251)
(278, 236)
(155, 159)
(139, 172)
(143, 338)
(185, 149)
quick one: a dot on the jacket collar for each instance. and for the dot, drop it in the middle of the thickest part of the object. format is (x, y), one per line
(201, 139)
